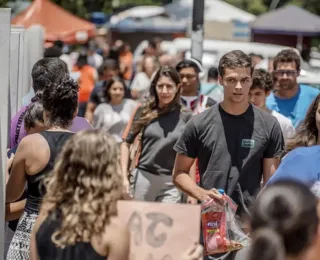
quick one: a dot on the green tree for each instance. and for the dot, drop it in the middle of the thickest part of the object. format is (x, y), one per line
(256, 7)
(238, 3)
(74, 6)
(252, 6)
(260, 6)
(83, 7)
(310, 5)
(3, 3)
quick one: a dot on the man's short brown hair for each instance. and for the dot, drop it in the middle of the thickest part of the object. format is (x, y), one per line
(285, 56)
(234, 59)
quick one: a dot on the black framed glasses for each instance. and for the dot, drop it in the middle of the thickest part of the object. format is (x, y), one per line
(289, 73)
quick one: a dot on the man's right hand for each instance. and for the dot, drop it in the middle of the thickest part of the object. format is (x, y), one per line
(206, 195)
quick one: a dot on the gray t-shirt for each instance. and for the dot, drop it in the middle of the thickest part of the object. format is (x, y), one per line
(230, 149)
(160, 135)
(114, 118)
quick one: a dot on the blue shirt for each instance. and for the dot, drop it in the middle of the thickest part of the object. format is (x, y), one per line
(296, 107)
(302, 165)
(212, 90)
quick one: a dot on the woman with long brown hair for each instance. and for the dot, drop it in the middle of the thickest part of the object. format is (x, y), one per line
(308, 133)
(157, 126)
(78, 218)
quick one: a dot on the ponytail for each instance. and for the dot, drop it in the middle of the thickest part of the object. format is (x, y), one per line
(267, 244)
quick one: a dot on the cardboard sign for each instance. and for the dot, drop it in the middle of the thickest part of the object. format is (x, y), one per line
(160, 231)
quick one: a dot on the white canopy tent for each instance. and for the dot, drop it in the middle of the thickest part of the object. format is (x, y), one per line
(138, 12)
(222, 21)
(215, 10)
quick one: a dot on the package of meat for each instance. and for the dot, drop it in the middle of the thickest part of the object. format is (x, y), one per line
(221, 234)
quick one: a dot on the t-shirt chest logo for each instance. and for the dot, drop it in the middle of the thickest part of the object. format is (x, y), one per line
(247, 143)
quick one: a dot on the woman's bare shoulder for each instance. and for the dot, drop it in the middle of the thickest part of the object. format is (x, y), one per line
(31, 140)
(36, 151)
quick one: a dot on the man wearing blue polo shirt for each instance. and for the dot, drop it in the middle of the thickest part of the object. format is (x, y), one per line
(290, 98)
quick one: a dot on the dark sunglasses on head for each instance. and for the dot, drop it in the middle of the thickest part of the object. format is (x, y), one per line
(283, 72)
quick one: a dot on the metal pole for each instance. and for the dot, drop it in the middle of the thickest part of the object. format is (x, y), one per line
(197, 30)
(299, 45)
(274, 4)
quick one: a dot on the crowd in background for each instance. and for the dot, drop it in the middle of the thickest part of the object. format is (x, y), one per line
(171, 134)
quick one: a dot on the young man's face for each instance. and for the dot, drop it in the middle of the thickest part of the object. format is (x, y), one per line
(189, 80)
(286, 74)
(258, 97)
(236, 83)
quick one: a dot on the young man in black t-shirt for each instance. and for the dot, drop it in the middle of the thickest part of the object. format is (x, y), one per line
(236, 143)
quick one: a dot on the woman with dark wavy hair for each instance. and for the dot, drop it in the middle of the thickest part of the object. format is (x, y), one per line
(157, 124)
(308, 133)
(78, 218)
(35, 158)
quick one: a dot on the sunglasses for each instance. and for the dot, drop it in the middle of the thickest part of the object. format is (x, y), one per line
(285, 72)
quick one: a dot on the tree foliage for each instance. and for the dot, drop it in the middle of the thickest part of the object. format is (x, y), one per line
(260, 6)
(3, 3)
(84, 7)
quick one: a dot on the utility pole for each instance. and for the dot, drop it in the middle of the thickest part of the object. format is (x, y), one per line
(197, 29)
(274, 4)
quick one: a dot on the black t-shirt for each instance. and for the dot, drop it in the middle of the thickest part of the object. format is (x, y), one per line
(230, 149)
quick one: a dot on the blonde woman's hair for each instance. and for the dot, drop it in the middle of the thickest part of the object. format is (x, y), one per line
(84, 187)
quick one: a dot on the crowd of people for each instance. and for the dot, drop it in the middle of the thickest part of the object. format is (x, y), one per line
(104, 127)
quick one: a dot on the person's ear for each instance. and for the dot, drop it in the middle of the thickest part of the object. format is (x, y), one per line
(76, 112)
(220, 80)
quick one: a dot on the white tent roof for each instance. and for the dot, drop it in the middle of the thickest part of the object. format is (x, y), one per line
(138, 12)
(215, 10)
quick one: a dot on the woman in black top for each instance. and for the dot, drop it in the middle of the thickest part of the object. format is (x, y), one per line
(158, 124)
(78, 218)
(33, 123)
(35, 157)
